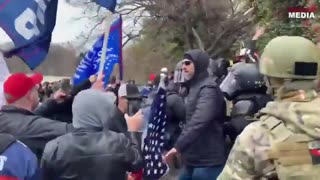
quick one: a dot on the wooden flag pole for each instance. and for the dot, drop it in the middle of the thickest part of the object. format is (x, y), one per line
(108, 21)
(4, 73)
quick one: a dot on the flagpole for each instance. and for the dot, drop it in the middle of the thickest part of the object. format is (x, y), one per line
(4, 73)
(108, 21)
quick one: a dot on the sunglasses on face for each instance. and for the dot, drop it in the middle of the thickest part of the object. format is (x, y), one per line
(187, 63)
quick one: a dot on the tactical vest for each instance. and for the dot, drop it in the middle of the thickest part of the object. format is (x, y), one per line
(295, 156)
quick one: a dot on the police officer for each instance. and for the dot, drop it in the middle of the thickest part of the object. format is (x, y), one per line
(245, 87)
(277, 146)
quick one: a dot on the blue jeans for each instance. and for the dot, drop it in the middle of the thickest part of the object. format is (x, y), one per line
(206, 173)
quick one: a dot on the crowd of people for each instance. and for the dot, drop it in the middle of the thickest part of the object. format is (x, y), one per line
(56, 131)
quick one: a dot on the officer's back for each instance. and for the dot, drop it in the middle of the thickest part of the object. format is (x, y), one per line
(284, 143)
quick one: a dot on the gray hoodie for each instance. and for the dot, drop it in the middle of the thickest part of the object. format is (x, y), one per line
(92, 109)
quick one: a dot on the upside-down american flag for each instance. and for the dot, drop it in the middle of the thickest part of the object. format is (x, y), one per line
(153, 147)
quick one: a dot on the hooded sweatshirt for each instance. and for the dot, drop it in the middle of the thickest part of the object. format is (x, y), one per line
(204, 112)
(92, 108)
(92, 151)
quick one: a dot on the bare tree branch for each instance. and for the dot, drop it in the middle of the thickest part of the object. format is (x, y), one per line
(198, 38)
(129, 39)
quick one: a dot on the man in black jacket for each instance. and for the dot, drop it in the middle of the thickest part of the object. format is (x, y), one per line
(201, 143)
(17, 118)
(93, 151)
(127, 94)
(59, 107)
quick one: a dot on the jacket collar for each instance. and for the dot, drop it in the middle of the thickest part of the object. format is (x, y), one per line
(5, 141)
(13, 109)
(198, 77)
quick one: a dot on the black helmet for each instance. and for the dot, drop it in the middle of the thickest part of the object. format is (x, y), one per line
(243, 77)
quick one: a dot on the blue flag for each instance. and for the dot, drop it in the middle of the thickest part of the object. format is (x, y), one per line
(89, 65)
(108, 4)
(154, 142)
(29, 24)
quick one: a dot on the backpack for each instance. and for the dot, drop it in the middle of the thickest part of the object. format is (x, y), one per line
(295, 156)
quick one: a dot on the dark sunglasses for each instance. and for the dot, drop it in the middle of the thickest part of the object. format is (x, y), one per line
(187, 63)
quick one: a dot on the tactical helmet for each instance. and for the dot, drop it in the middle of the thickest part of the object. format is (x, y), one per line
(290, 57)
(218, 67)
(243, 77)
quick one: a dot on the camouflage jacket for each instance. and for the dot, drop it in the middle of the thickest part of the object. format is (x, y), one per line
(249, 159)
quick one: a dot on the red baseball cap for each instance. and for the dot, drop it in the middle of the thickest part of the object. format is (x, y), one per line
(152, 77)
(19, 84)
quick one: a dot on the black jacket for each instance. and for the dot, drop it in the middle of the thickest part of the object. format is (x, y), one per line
(118, 123)
(245, 106)
(61, 111)
(32, 130)
(201, 142)
(91, 154)
(176, 115)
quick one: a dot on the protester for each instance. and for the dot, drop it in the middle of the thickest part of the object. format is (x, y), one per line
(16, 160)
(126, 93)
(171, 76)
(59, 106)
(201, 143)
(249, 53)
(41, 93)
(17, 118)
(47, 90)
(96, 152)
(149, 87)
(283, 143)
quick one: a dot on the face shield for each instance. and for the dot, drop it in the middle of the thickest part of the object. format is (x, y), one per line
(229, 86)
(178, 74)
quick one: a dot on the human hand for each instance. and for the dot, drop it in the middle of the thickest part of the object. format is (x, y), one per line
(93, 78)
(98, 84)
(260, 30)
(59, 96)
(168, 158)
(134, 122)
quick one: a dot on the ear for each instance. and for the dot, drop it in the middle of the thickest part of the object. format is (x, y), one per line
(28, 96)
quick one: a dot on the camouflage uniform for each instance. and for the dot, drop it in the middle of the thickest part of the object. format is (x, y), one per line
(293, 110)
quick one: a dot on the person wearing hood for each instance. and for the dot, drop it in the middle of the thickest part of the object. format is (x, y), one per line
(201, 143)
(284, 142)
(93, 151)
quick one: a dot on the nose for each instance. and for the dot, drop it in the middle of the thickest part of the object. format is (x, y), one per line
(184, 67)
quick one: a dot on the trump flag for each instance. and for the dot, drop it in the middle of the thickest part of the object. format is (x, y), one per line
(89, 65)
(28, 24)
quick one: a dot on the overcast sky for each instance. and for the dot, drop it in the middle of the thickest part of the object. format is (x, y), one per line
(68, 30)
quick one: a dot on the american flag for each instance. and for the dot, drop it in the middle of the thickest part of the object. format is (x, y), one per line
(153, 147)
